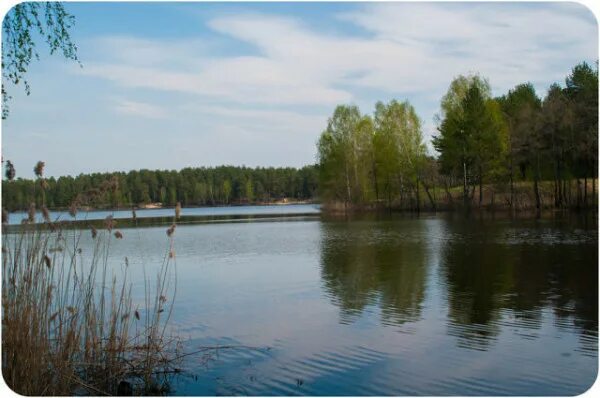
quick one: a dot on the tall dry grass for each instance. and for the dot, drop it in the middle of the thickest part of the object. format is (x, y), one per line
(69, 321)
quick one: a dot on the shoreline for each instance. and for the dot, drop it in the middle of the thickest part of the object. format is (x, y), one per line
(324, 215)
(156, 206)
(140, 222)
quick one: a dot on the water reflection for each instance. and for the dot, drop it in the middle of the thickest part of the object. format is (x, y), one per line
(492, 276)
(366, 264)
(484, 307)
(496, 277)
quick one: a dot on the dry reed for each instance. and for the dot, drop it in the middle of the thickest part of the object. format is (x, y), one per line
(178, 211)
(31, 213)
(38, 170)
(10, 171)
(46, 214)
(66, 324)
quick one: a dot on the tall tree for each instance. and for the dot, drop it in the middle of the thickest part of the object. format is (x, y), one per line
(555, 130)
(582, 90)
(336, 153)
(521, 107)
(470, 139)
(364, 160)
(399, 148)
(457, 91)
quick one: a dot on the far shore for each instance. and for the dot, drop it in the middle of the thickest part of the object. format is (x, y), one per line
(282, 202)
(151, 206)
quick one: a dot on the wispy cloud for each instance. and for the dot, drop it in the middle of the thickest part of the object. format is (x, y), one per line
(509, 43)
(139, 109)
(408, 48)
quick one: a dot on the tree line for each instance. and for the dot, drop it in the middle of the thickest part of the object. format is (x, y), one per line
(516, 150)
(190, 186)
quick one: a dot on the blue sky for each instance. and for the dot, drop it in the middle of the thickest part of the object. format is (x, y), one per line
(167, 86)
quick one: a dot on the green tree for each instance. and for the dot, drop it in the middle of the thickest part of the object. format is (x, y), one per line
(457, 91)
(471, 132)
(336, 154)
(556, 131)
(365, 186)
(521, 107)
(226, 191)
(454, 144)
(485, 125)
(399, 149)
(387, 119)
(582, 90)
(249, 191)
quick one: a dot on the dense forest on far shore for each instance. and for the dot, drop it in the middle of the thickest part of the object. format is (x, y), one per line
(211, 186)
(515, 151)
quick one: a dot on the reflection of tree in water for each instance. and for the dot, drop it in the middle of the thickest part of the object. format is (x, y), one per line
(364, 264)
(477, 279)
(491, 282)
(574, 291)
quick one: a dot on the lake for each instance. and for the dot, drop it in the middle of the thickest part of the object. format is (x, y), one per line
(395, 305)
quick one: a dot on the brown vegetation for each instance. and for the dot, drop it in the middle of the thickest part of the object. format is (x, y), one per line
(69, 324)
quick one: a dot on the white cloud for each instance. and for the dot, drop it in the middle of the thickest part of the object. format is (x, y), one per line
(239, 79)
(410, 48)
(142, 109)
(405, 50)
(269, 121)
(141, 51)
(509, 43)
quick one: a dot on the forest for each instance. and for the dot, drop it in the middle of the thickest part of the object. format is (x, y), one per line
(515, 151)
(221, 185)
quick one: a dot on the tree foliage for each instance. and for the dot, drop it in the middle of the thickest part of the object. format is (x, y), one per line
(338, 151)
(190, 186)
(364, 159)
(471, 139)
(482, 142)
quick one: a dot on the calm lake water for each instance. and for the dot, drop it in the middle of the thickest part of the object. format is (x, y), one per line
(435, 305)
